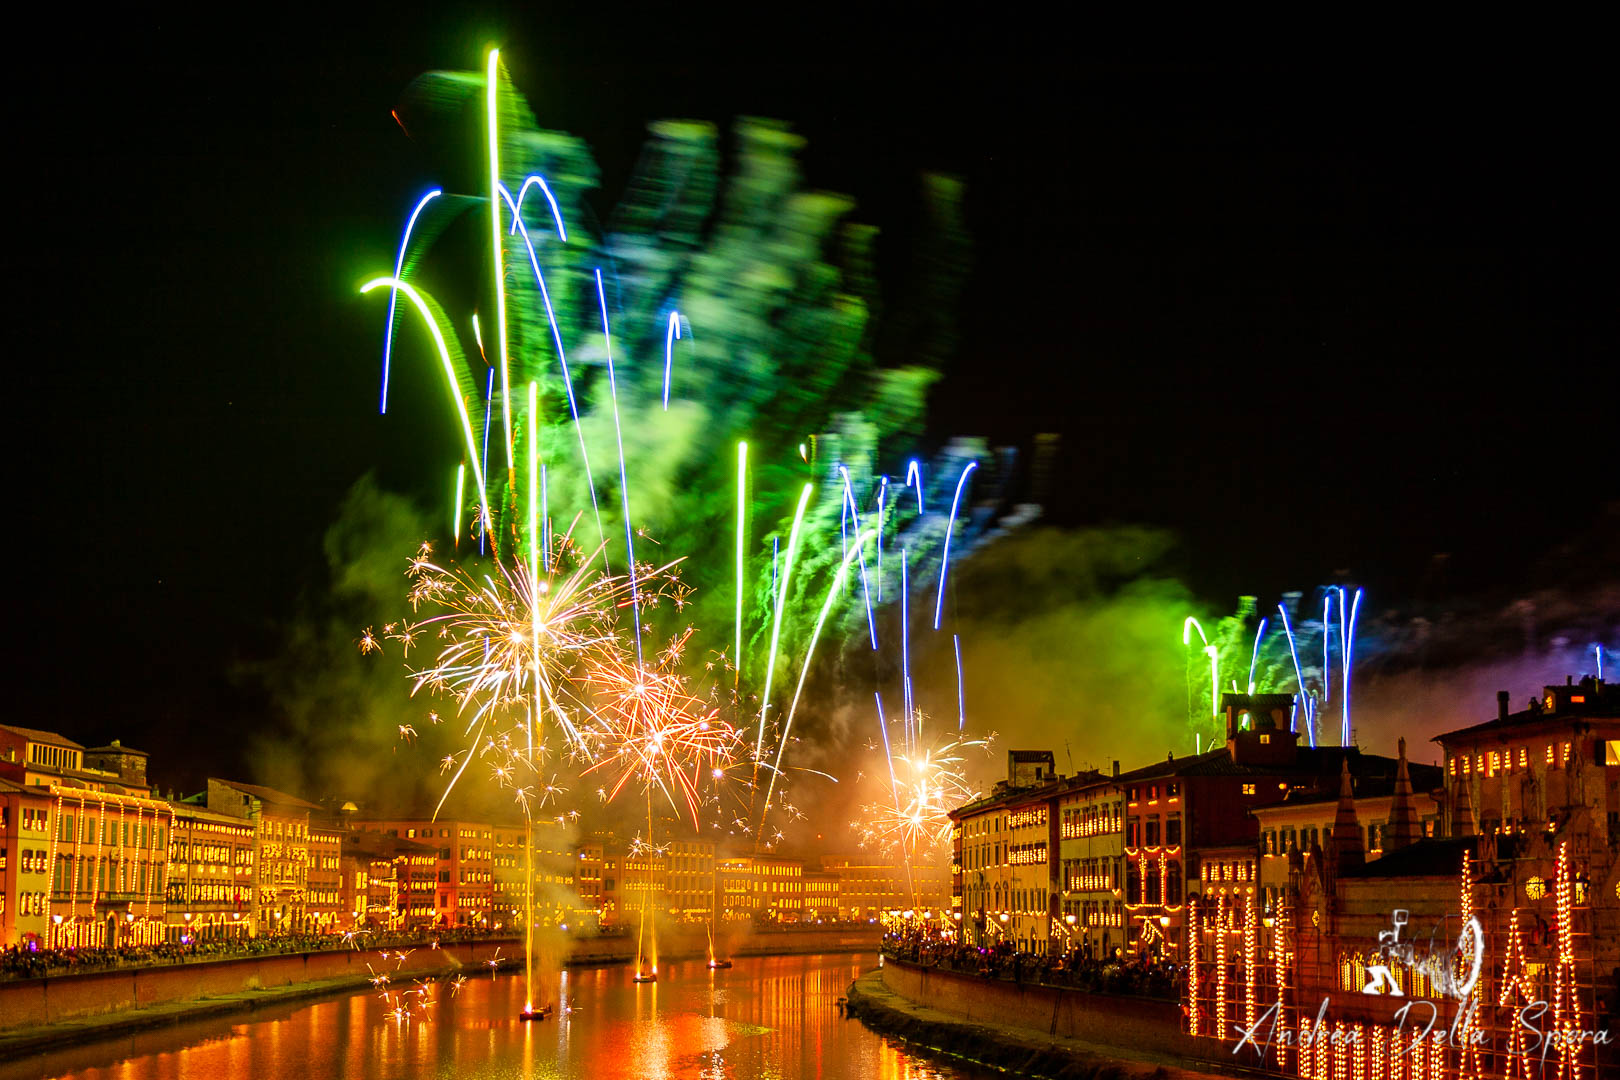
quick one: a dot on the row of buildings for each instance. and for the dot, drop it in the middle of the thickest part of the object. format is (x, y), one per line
(1108, 861)
(90, 854)
(1312, 896)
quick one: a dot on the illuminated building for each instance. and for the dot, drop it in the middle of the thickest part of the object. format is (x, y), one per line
(1130, 848)
(779, 882)
(1091, 870)
(1534, 896)
(1305, 819)
(690, 891)
(25, 861)
(1520, 770)
(556, 901)
(325, 909)
(1183, 813)
(91, 844)
(734, 887)
(463, 882)
(821, 896)
(211, 875)
(386, 883)
(588, 876)
(283, 853)
(1007, 888)
(641, 880)
(871, 886)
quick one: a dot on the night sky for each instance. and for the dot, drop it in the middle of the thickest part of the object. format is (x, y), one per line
(1323, 317)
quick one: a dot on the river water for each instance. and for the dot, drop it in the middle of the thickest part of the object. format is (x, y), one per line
(767, 1017)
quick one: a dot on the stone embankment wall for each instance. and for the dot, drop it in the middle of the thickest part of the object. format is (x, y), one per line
(1102, 1019)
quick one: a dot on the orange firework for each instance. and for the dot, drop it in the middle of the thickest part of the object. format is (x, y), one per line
(649, 729)
(926, 785)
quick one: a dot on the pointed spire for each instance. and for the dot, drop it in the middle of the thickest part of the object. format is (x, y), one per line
(1348, 851)
(1462, 810)
(1403, 818)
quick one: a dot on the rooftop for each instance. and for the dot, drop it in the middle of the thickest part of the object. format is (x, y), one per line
(1426, 858)
(1585, 700)
(270, 795)
(50, 738)
(116, 747)
(1425, 779)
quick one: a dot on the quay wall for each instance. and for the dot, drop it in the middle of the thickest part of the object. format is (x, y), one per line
(1102, 1019)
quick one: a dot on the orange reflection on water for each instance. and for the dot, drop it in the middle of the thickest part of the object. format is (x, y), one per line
(773, 1018)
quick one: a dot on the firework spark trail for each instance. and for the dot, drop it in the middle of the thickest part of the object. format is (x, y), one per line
(420, 301)
(497, 250)
(950, 526)
(536, 180)
(568, 381)
(484, 533)
(1347, 643)
(624, 482)
(1327, 636)
(742, 518)
(804, 668)
(914, 474)
(536, 536)
(461, 487)
(905, 645)
(888, 754)
(776, 623)
(1299, 677)
(1254, 656)
(393, 296)
(1214, 662)
(671, 336)
(961, 695)
(883, 487)
(866, 593)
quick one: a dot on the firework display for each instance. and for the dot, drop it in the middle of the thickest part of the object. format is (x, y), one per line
(543, 644)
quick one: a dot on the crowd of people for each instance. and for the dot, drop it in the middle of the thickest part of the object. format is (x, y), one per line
(1079, 968)
(25, 962)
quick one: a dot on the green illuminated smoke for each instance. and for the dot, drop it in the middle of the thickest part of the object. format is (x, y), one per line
(777, 285)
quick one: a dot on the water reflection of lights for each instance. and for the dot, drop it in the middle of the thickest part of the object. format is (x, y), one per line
(764, 1017)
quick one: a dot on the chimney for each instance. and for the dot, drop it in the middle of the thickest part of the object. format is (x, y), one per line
(1116, 768)
(1502, 704)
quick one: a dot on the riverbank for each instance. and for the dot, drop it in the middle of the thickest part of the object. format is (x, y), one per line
(40, 1014)
(1013, 1048)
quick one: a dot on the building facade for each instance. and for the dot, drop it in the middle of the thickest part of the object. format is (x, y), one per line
(283, 852)
(212, 876)
(91, 844)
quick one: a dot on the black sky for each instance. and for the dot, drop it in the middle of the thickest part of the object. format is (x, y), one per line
(1323, 316)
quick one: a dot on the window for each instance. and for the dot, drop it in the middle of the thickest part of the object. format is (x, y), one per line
(1248, 789)
(1265, 740)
